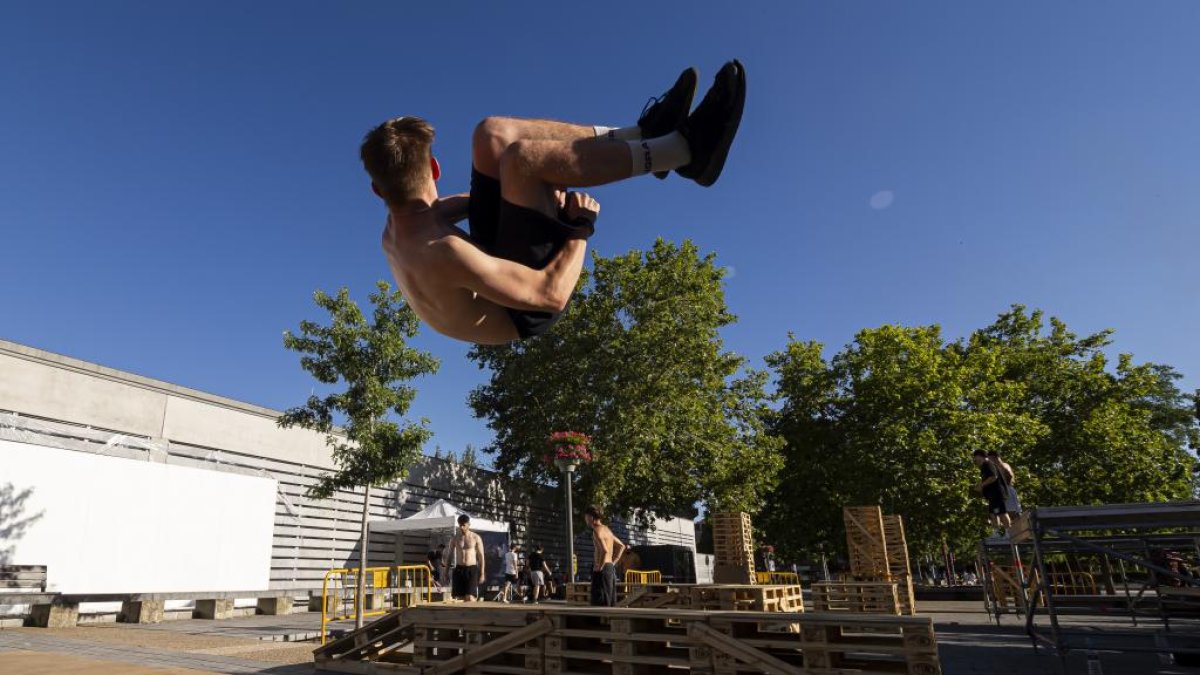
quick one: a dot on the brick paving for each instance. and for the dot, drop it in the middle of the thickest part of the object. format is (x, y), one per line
(38, 640)
(968, 643)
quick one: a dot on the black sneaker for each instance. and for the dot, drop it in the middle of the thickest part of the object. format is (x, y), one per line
(711, 127)
(664, 114)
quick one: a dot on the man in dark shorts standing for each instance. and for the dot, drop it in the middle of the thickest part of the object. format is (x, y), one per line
(608, 550)
(993, 488)
(513, 277)
(467, 549)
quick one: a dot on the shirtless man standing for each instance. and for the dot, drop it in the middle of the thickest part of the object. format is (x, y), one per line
(608, 550)
(467, 549)
(514, 275)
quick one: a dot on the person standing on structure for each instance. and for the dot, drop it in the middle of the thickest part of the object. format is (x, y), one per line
(993, 488)
(512, 564)
(539, 572)
(467, 549)
(1012, 503)
(607, 551)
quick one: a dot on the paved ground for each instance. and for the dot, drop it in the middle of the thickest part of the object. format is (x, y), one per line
(969, 644)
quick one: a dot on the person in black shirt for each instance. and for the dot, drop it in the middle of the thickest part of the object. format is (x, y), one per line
(434, 562)
(539, 572)
(994, 489)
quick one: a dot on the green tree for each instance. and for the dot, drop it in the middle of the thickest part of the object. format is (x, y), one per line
(893, 417)
(637, 363)
(371, 360)
(469, 458)
(1112, 434)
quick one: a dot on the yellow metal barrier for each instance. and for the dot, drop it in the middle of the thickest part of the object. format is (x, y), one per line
(643, 577)
(387, 588)
(777, 577)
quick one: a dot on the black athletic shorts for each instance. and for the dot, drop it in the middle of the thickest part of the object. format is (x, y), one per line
(464, 581)
(604, 586)
(521, 235)
(996, 505)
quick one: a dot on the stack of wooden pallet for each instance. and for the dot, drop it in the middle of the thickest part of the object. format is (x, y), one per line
(872, 597)
(879, 551)
(747, 598)
(723, 597)
(490, 638)
(733, 546)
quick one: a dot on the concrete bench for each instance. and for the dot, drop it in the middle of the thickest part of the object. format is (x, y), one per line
(62, 610)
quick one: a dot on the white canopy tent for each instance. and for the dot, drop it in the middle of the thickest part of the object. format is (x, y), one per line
(440, 515)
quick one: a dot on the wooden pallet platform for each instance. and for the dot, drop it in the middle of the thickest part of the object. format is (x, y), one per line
(748, 598)
(634, 595)
(870, 597)
(865, 541)
(561, 640)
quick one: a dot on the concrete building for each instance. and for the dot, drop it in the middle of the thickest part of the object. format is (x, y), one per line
(121, 483)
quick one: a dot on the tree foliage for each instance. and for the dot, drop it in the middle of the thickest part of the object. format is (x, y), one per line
(371, 359)
(893, 417)
(637, 363)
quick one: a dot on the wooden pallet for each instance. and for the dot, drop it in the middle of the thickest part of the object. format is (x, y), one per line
(725, 597)
(735, 574)
(634, 595)
(896, 545)
(865, 541)
(871, 597)
(733, 548)
(748, 598)
(491, 638)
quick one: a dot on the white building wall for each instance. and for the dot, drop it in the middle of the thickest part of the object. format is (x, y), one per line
(110, 525)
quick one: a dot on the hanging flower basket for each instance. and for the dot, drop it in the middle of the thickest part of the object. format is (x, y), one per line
(568, 449)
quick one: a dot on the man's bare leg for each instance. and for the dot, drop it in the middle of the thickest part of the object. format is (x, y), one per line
(494, 134)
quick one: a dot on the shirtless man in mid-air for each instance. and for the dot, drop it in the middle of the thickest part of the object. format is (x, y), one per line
(513, 277)
(607, 551)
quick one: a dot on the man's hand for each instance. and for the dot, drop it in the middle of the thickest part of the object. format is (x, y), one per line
(580, 206)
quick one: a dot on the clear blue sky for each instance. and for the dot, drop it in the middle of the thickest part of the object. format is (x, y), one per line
(177, 178)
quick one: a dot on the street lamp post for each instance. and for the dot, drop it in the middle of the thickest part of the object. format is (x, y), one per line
(568, 466)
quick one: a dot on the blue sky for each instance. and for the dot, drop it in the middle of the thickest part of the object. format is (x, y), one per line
(177, 178)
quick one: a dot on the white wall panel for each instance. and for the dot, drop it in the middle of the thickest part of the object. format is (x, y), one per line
(108, 525)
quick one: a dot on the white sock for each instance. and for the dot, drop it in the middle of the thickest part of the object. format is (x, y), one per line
(659, 154)
(632, 133)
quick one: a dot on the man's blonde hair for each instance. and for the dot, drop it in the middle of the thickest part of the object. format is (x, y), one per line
(396, 154)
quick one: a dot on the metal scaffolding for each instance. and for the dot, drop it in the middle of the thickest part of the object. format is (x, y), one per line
(1119, 565)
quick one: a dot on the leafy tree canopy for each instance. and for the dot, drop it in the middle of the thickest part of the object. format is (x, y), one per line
(637, 363)
(369, 358)
(893, 417)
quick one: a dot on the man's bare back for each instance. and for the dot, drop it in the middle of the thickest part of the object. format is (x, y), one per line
(608, 548)
(418, 252)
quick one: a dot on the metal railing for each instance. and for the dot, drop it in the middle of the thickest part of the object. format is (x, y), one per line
(642, 577)
(387, 589)
(777, 577)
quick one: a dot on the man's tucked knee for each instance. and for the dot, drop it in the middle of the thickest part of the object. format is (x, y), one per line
(516, 160)
(492, 136)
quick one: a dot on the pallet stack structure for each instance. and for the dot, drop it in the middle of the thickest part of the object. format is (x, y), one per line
(878, 555)
(450, 638)
(870, 597)
(733, 548)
